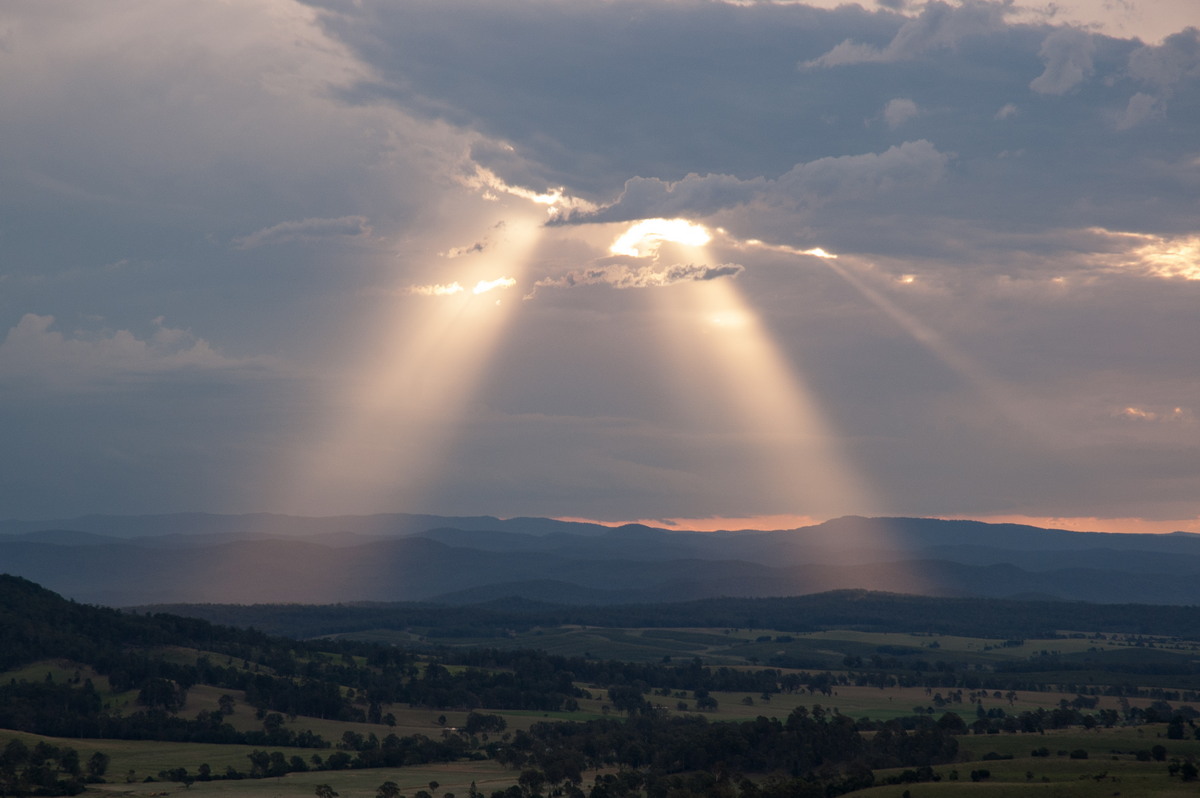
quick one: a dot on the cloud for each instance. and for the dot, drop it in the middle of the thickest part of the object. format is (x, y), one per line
(458, 252)
(1168, 64)
(435, 289)
(1141, 108)
(623, 276)
(477, 247)
(484, 286)
(1160, 415)
(306, 230)
(33, 354)
(898, 111)
(1007, 111)
(450, 289)
(938, 26)
(645, 239)
(833, 179)
(1162, 69)
(185, 140)
(1067, 54)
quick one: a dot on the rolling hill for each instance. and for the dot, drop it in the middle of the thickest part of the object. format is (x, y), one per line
(196, 558)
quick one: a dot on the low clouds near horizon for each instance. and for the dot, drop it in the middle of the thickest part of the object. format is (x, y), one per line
(233, 232)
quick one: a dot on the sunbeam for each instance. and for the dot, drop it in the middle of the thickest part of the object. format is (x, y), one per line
(741, 393)
(399, 422)
(991, 391)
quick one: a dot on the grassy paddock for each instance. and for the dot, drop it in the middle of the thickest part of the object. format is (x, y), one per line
(454, 777)
(1111, 767)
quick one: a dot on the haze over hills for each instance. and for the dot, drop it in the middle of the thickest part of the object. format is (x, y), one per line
(196, 558)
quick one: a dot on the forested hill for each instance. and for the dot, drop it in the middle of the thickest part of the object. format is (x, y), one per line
(842, 609)
(36, 623)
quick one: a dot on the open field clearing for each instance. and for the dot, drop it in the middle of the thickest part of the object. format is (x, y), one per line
(824, 649)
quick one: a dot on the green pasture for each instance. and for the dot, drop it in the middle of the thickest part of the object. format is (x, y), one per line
(1111, 767)
(132, 761)
(812, 650)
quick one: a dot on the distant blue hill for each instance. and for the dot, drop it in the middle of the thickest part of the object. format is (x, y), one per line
(264, 558)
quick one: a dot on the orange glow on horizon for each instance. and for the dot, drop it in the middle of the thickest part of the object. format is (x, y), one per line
(1132, 526)
(756, 523)
(769, 523)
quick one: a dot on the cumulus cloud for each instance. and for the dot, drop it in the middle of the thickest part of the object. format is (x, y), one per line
(306, 230)
(898, 111)
(1168, 64)
(1067, 54)
(824, 180)
(622, 275)
(33, 353)
(1162, 69)
(1141, 108)
(939, 25)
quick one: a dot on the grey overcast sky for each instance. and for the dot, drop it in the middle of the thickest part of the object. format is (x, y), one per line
(687, 261)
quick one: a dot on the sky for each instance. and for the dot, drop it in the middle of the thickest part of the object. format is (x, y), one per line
(703, 264)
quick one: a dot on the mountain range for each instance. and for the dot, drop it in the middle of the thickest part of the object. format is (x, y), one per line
(264, 558)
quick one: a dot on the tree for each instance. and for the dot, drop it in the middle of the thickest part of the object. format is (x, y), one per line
(480, 722)
(389, 789)
(531, 781)
(97, 766)
(162, 693)
(325, 791)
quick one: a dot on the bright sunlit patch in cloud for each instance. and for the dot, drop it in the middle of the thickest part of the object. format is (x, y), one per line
(449, 289)
(1157, 256)
(644, 239)
(754, 243)
(483, 286)
(1147, 414)
(817, 252)
(490, 184)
